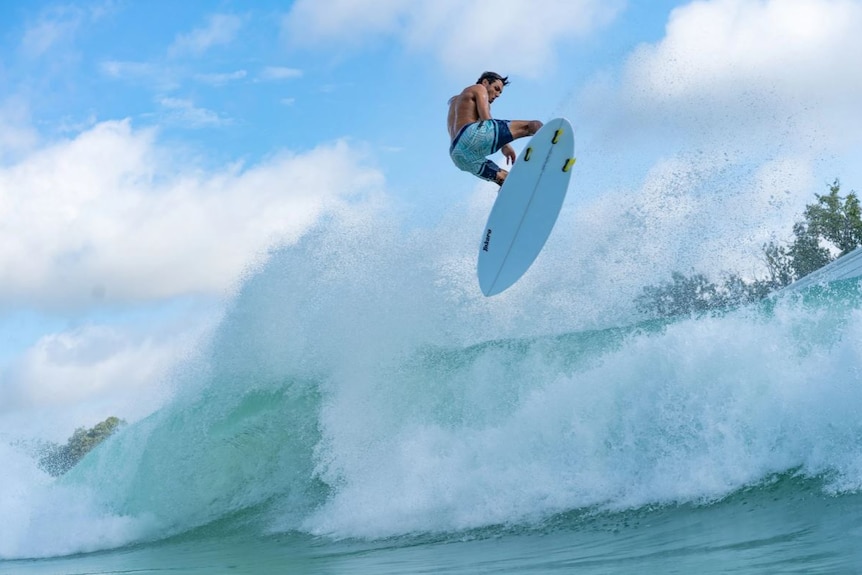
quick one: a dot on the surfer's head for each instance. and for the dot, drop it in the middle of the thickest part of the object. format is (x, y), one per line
(492, 77)
(494, 83)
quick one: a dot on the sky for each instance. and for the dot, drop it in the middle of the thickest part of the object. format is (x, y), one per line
(151, 153)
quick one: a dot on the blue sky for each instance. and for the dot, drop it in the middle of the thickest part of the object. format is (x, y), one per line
(151, 152)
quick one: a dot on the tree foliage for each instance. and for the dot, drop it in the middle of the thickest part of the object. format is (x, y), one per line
(836, 220)
(832, 224)
(58, 459)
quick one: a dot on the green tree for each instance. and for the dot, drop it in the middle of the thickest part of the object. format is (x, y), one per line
(832, 223)
(681, 296)
(695, 294)
(58, 459)
(836, 219)
(806, 254)
(779, 265)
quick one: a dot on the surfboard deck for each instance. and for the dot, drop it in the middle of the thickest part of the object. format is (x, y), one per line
(527, 207)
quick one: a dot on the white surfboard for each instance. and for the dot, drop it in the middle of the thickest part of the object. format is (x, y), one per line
(527, 207)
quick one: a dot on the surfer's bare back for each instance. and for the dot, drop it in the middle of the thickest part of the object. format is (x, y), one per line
(475, 135)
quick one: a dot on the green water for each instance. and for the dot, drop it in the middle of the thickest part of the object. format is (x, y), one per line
(785, 527)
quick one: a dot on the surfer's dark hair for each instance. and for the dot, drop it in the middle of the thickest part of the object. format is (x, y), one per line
(493, 77)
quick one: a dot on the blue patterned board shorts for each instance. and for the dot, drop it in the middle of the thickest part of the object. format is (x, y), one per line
(475, 142)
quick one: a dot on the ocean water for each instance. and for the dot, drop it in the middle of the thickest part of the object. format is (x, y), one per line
(359, 412)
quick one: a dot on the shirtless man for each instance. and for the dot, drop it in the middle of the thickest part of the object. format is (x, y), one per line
(475, 135)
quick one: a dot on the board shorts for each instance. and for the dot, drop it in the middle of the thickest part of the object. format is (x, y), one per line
(475, 142)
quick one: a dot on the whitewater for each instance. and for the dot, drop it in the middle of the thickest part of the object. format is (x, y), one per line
(361, 408)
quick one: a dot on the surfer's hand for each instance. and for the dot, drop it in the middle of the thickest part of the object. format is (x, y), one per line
(509, 152)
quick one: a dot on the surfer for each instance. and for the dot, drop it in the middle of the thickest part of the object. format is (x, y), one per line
(475, 135)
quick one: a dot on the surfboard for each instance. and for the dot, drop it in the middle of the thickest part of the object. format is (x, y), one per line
(527, 207)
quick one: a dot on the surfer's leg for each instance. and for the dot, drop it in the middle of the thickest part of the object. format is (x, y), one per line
(501, 177)
(521, 128)
(502, 134)
(492, 172)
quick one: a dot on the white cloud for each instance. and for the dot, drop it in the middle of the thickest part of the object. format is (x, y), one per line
(221, 79)
(123, 70)
(158, 77)
(65, 368)
(349, 20)
(164, 77)
(81, 375)
(16, 135)
(280, 73)
(748, 108)
(111, 213)
(219, 30)
(53, 27)
(58, 24)
(185, 113)
(518, 35)
(785, 67)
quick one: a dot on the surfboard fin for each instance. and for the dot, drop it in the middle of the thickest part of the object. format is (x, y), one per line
(569, 163)
(557, 135)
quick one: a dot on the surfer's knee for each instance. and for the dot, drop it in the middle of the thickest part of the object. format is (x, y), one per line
(521, 128)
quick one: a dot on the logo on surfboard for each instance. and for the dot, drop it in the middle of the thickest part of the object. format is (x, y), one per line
(487, 240)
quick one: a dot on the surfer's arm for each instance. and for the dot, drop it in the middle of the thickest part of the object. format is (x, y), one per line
(509, 152)
(483, 106)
